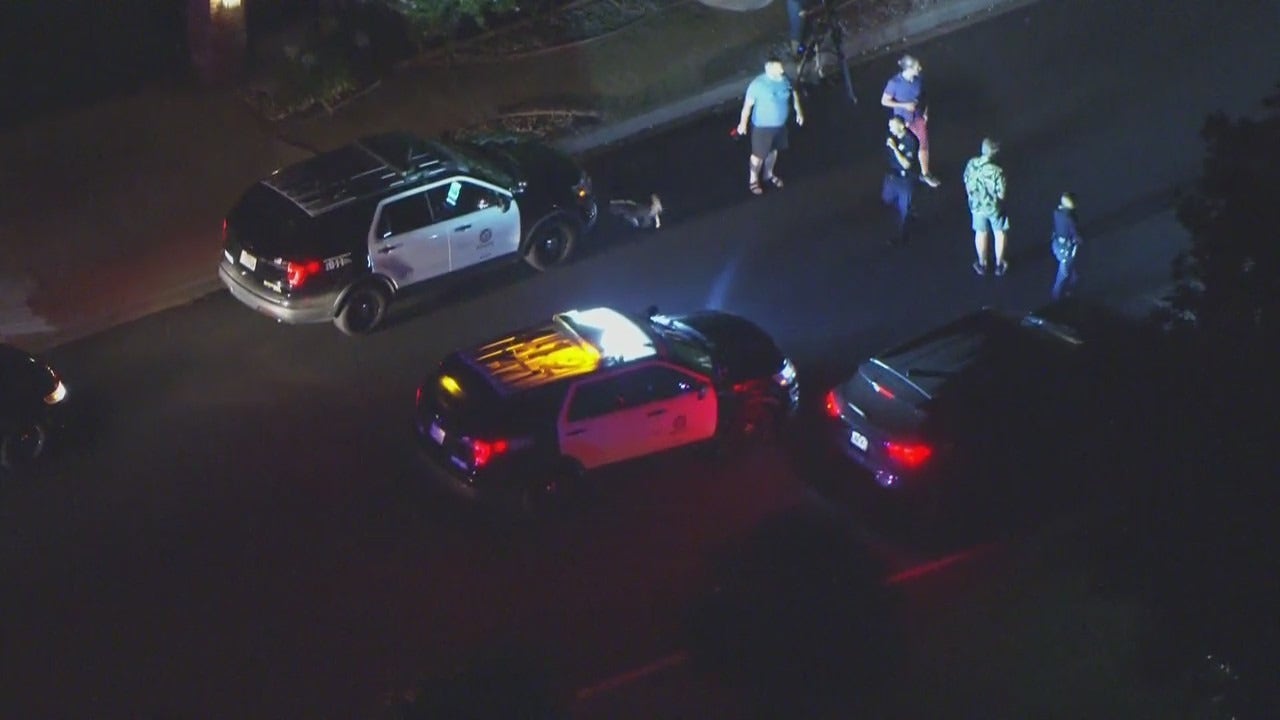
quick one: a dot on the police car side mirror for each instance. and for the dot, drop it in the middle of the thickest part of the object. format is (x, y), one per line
(505, 202)
(703, 389)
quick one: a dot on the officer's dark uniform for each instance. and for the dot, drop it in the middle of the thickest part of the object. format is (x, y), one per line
(900, 182)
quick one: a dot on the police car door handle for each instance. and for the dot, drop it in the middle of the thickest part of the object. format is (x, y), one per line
(387, 249)
(460, 228)
(656, 413)
(578, 431)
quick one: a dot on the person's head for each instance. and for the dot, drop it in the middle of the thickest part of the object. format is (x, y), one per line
(897, 126)
(773, 68)
(1068, 200)
(990, 146)
(910, 66)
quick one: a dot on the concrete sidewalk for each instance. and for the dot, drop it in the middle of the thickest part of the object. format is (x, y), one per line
(113, 212)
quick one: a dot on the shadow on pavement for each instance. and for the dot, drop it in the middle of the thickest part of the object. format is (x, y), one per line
(500, 684)
(797, 619)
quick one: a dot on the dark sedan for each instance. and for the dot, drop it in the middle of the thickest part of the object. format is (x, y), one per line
(985, 404)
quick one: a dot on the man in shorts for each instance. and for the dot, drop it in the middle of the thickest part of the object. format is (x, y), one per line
(904, 95)
(767, 106)
(985, 185)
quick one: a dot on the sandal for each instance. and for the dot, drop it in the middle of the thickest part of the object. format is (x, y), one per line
(775, 180)
(1001, 268)
(979, 267)
(756, 189)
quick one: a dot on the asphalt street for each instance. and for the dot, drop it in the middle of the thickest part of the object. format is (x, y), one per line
(242, 530)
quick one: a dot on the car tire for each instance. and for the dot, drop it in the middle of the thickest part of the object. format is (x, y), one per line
(551, 242)
(363, 310)
(22, 447)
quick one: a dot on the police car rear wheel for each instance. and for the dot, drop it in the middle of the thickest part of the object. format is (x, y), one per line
(362, 311)
(552, 243)
(23, 446)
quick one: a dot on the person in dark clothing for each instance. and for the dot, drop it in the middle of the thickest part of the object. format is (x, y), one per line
(1065, 244)
(902, 151)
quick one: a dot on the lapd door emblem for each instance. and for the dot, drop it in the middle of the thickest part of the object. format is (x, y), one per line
(486, 236)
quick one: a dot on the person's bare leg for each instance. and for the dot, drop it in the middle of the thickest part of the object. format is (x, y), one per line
(980, 242)
(769, 162)
(753, 178)
(1001, 238)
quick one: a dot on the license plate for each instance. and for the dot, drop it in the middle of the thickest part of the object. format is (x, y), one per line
(248, 260)
(858, 440)
(437, 434)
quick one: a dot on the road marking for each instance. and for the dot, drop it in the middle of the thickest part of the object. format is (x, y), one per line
(681, 657)
(919, 571)
(633, 676)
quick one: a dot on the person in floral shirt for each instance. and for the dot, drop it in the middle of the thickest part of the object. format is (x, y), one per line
(985, 185)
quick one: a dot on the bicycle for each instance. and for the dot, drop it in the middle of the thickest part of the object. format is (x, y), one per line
(823, 49)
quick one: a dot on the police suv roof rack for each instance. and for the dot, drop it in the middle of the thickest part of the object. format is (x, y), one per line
(370, 166)
(532, 358)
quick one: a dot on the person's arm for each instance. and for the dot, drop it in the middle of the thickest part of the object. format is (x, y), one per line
(898, 155)
(795, 102)
(887, 100)
(747, 104)
(998, 185)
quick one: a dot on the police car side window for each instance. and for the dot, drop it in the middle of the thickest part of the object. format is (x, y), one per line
(593, 399)
(657, 383)
(459, 198)
(404, 215)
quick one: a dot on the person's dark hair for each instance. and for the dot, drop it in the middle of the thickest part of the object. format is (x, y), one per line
(773, 59)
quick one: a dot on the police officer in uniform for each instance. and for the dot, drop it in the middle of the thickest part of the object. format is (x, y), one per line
(902, 151)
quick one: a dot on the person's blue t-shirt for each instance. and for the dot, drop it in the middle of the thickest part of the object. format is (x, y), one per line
(772, 101)
(904, 90)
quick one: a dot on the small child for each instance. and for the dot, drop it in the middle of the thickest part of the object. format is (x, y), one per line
(1065, 242)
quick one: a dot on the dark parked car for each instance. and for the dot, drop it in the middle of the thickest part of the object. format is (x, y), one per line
(990, 405)
(526, 415)
(338, 236)
(31, 398)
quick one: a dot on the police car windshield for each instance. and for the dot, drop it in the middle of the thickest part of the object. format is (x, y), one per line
(687, 348)
(495, 167)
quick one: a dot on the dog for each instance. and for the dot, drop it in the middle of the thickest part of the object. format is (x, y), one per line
(639, 215)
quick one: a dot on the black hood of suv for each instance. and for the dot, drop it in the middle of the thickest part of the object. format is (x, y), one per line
(739, 346)
(543, 168)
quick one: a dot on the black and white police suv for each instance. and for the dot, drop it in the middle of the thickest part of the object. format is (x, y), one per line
(337, 236)
(524, 416)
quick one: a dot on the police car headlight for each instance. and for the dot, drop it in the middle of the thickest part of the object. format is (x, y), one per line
(787, 375)
(57, 395)
(583, 188)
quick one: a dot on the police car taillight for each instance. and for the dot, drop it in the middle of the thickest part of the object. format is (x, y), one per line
(483, 451)
(831, 405)
(297, 272)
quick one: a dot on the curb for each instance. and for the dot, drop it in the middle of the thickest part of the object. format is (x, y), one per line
(913, 28)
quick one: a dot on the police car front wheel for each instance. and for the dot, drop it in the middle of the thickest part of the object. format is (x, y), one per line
(22, 447)
(551, 242)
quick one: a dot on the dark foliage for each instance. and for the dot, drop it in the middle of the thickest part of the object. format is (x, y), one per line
(1228, 283)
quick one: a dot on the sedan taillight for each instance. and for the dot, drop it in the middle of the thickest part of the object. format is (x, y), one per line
(908, 454)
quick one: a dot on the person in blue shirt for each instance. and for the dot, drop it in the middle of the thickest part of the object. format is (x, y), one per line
(1065, 245)
(767, 106)
(904, 95)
